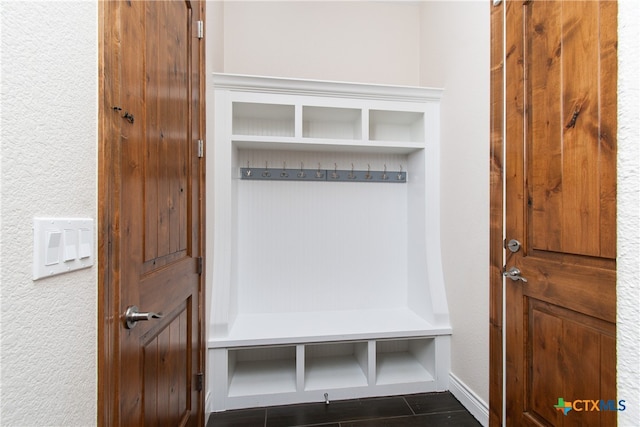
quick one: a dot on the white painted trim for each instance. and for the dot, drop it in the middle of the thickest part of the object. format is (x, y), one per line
(207, 410)
(263, 84)
(470, 400)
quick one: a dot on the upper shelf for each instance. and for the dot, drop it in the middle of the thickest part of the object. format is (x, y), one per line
(253, 119)
(274, 126)
(273, 113)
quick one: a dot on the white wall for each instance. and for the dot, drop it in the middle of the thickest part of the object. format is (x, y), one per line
(455, 46)
(49, 140)
(359, 41)
(628, 288)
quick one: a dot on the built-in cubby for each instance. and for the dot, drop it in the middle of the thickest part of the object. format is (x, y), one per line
(262, 119)
(405, 361)
(255, 371)
(407, 126)
(326, 271)
(336, 365)
(330, 122)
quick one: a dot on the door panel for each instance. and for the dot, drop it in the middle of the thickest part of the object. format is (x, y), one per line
(166, 370)
(153, 76)
(564, 96)
(560, 73)
(566, 344)
(167, 85)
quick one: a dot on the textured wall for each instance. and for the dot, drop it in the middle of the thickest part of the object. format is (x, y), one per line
(49, 139)
(628, 288)
(455, 44)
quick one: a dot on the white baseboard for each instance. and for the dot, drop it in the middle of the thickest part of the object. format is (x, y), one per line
(476, 406)
(207, 407)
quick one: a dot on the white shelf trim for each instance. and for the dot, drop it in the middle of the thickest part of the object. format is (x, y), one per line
(325, 326)
(319, 144)
(263, 84)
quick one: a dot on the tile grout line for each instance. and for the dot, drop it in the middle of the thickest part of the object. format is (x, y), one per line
(407, 403)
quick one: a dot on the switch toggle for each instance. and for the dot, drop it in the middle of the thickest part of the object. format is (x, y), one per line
(70, 245)
(86, 242)
(52, 254)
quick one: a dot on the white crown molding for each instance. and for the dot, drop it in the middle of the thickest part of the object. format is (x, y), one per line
(264, 84)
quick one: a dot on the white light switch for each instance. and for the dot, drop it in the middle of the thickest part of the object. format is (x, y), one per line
(70, 244)
(86, 242)
(61, 245)
(52, 251)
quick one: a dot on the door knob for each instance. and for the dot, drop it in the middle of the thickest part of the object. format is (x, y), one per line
(132, 316)
(514, 274)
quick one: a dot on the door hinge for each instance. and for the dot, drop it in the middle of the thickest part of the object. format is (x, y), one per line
(200, 29)
(200, 265)
(199, 381)
(200, 148)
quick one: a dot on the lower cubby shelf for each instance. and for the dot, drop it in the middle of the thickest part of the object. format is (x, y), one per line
(339, 365)
(245, 377)
(405, 361)
(257, 371)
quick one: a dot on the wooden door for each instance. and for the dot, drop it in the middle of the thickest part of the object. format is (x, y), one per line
(151, 372)
(560, 204)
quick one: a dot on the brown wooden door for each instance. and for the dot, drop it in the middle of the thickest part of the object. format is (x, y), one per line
(151, 373)
(560, 204)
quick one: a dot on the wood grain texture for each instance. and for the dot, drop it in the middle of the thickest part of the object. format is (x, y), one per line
(151, 206)
(496, 216)
(560, 203)
(569, 168)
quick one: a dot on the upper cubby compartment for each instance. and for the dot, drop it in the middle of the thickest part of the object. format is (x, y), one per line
(329, 122)
(255, 119)
(405, 126)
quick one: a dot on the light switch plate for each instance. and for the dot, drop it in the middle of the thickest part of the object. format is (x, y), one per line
(62, 245)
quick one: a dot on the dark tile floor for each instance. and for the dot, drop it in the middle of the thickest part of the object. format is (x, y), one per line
(415, 410)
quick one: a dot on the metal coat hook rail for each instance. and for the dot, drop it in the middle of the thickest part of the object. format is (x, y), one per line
(268, 173)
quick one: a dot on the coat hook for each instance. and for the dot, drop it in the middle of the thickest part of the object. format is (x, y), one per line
(335, 175)
(301, 174)
(351, 175)
(399, 176)
(384, 174)
(368, 175)
(319, 174)
(284, 173)
(266, 172)
(248, 171)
